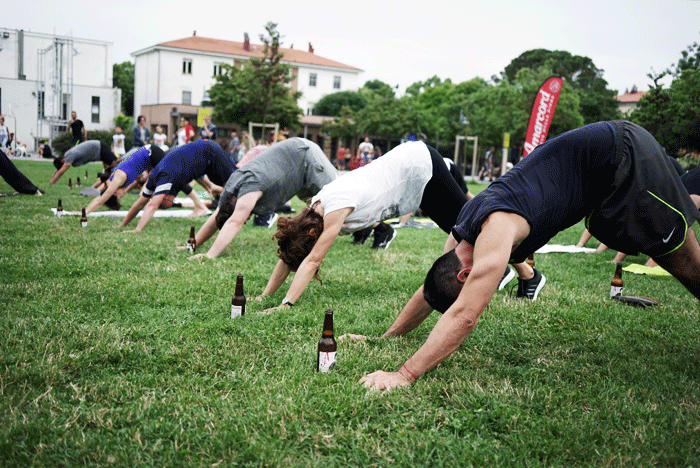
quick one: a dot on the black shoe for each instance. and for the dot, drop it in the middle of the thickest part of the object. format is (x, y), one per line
(360, 237)
(508, 275)
(383, 238)
(529, 289)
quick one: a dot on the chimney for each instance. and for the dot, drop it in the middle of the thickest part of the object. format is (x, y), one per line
(311, 48)
(246, 42)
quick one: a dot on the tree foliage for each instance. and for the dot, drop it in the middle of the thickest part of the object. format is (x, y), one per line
(123, 78)
(331, 105)
(259, 92)
(595, 100)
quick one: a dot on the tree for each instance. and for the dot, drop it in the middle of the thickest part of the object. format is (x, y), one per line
(123, 78)
(259, 92)
(596, 101)
(331, 105)
(690, 60)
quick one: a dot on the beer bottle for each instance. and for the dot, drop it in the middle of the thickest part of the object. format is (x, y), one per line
(83, 219)
(59, 208)
(70, 183)
(191, 242)
(86, 175)
(326, 345)
(616, 285)
(238, 300)
(77, 182)
(531, 260)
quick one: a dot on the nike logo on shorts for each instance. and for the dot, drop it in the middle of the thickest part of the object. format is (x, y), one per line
(665, 241)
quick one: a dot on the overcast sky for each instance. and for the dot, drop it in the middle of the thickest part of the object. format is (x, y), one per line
(397, 42)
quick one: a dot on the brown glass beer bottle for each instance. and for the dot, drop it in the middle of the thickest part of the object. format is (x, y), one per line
(59, 208)
(77, 181)
(238, 300)
(191, 242)
(83, 219)
(531, 260)
(86, 176)
(616, 285)
(70, 183)
(326, 345)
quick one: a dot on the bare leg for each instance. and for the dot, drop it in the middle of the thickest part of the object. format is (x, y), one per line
(684, 263)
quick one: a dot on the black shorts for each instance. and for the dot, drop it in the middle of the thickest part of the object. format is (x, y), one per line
(648, 209)
(442, 198)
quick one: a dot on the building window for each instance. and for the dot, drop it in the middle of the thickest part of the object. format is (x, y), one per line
(336, 82)
(186, 66)
(312, 79)
(187, 97)
(217, 68)
(95, 109)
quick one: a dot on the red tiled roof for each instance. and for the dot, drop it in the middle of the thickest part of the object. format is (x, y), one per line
(630, 97)
(205, 44)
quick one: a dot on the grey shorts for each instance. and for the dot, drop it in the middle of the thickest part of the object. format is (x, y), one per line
(647, 209)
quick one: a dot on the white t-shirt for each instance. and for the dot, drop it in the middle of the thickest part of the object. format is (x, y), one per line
(159, 139)
(366, 147)
(388, 187)
(118, 144)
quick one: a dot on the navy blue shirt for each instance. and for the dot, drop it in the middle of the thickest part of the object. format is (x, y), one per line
(553, 188)
(187, 162)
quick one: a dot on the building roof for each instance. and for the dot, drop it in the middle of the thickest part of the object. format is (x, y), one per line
(630, 97)
(219, 46)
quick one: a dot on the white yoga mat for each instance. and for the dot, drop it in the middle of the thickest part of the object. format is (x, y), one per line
(120, 214)
(554, 248)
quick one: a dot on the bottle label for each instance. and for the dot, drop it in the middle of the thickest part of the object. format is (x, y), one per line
(236, 311)
(190, 247)
(615, 291)
(83, 223)
(326, 361)
(59, 213)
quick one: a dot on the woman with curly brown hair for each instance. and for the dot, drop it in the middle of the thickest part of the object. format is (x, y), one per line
(409, 176)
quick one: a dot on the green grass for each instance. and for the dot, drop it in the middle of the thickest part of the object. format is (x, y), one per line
(118, 351)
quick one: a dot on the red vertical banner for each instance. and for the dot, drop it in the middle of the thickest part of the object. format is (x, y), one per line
(542, 113)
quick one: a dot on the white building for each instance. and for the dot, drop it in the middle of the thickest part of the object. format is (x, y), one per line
(173, 78)
(44, 77)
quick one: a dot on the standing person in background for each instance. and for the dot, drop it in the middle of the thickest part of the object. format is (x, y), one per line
(185, 133)
(141, 135)
(487, 168)
(77, 129)
(4, 134)
(159, 138)
(208, 130)
(118, 140)
(340, 159)
(233, 147)
(365, 152)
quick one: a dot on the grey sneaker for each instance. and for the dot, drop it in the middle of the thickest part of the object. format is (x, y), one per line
(531, 288)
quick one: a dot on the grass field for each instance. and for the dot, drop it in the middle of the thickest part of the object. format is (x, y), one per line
(119, 351)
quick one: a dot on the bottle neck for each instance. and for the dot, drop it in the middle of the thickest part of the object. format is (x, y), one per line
(328, 325)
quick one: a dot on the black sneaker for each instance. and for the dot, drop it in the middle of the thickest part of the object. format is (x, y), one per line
(508, 275)
(531, 288)
(360, 237)
(383, 238)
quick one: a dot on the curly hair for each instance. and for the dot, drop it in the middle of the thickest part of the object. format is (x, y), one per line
(297, 236)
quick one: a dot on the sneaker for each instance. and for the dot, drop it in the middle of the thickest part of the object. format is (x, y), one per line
(531, 288)
(265, 221)
(508, 275)
(360, 237)
(382, 240)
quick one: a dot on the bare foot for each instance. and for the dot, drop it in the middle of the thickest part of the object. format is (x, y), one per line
(352, 337)
(38, 193)
(198, 212)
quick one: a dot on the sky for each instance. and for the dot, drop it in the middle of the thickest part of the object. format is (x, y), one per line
(397, 42)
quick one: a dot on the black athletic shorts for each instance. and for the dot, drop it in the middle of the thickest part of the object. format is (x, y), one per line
(442, 198)
(648, 209)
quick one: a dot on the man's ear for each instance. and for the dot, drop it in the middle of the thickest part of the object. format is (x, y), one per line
(312, 232)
